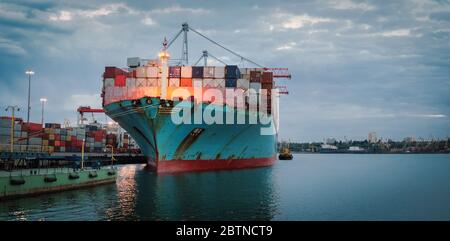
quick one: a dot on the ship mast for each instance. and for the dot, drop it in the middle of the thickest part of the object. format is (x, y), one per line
(164, 57)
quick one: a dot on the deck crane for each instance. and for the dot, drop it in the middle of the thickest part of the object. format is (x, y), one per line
(87, 109)
(278, 73)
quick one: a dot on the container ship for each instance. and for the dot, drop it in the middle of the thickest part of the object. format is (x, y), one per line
(149, 98)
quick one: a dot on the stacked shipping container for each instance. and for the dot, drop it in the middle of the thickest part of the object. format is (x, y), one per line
(145, 80)
(53, 138)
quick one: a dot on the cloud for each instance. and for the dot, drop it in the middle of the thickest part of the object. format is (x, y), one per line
(62, 16)
(397, 33)
(11, 47)
(178, 9)
(76, 100)
(105, 10)
(148, 21)
(287, 46)
(298, 21)
(351, 5)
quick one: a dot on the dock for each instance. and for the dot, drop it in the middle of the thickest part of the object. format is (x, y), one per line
(44, 174)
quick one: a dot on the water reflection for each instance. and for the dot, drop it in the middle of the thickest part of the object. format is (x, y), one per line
(227, 195)
(143, 195)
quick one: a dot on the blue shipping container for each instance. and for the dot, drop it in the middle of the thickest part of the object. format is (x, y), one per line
(232, 72)
(197, 72)
(230, 82)
(175, 71)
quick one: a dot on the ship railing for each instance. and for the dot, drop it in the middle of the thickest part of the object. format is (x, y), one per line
(21, 167)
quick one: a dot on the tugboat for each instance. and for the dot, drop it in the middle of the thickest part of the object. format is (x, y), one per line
(285, 153)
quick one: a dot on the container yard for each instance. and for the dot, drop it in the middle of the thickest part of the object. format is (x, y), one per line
(53, 138)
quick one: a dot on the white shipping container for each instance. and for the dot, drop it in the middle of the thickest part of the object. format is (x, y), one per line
(109, 82)
(141, 82)
(243, 84)
(152, 72)
(208, 72)
(141, 72)
(153, 82)
(186, 71)
(131, 82)
(255, 86)
(35, 141)
(174, 82)
(197, 83)
(219, 72)
(245, 76)
(208, 83)
(119, 91)
(214, 83)
(109, 92)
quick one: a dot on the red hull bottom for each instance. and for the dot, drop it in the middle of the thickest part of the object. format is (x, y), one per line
(175, 166)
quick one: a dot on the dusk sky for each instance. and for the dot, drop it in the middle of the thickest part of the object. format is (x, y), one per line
(357, 66)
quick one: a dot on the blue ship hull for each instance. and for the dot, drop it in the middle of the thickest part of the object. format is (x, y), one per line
(171, 147)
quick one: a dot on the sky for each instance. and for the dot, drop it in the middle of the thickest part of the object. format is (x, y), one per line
(357, 66)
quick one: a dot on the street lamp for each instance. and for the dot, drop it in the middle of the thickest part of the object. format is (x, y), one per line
(13, 109)
(29, 72)
(112, 155)
(43, 100)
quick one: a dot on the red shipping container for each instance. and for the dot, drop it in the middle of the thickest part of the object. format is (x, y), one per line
(31, 127)
(57, 137)
(186, 82)
(73, 138)
(132, 74)
(112, 72)
(120, 81)
(57, 143)
(255, 76)
(267, 77)
(267, 85)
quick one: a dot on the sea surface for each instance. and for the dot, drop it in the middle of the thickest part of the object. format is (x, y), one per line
(310, 187)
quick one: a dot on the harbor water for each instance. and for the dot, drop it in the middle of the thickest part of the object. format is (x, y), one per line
(309, 187)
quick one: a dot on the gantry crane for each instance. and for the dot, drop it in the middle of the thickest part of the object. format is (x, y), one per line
(87, 109)
(278, 73)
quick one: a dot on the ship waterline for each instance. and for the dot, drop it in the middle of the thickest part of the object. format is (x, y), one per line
(171, 147)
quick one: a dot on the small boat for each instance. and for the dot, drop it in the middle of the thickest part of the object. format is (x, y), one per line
(285, 153)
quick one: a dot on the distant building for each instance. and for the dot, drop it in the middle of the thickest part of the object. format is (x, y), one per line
(330, 141)
(328, 147)
(372, 137)
(355, 149)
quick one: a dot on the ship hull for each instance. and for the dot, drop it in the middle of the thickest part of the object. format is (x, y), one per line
(171, 147)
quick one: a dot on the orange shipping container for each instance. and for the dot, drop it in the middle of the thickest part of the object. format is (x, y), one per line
(186, 82)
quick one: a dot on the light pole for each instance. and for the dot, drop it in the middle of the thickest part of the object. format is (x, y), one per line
(13, 109)
(112, 155)
(43, 100)
(29, 72)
